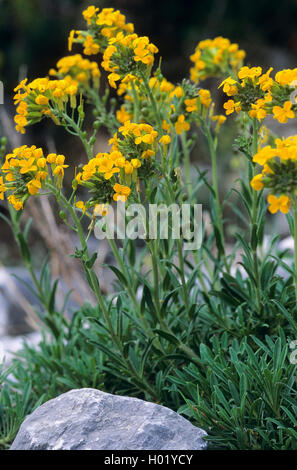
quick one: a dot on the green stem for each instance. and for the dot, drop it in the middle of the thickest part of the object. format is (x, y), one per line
(154, 104)
(254, 219)
(135, 102)
(108, 119)
(153, 246)
(96, 289)
(219, 214)
(187, 166)
(81, 134)
(130, 290)
(182, 271)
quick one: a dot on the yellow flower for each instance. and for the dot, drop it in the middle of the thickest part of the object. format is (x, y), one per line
(51, 158)
(113, 78)
(90, 47)
(27, 166)
(230, 107)
(229, 86)
(191, 105)
(128, 168)
(181, 125)
(278, 204)
(264, 155)
(121, 192)
(166, 126)
(147, 153)
(2, 188)
(205, 97)
(282, 114)
(123, 115)
(258, 110)
(16, 203)
(265, 81)
(70, 39)
(81, 205)
(33, 187)
(178, 92)
(136, 163)
(257, 183)
(252, 73)
(41, 99)
(89, 13)
(165, 139)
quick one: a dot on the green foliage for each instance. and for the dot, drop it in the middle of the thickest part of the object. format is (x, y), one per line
(15, 405)
(244, 395)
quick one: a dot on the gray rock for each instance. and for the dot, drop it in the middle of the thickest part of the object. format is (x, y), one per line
(89, 419)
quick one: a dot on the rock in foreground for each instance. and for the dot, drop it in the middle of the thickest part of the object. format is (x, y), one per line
(89, 419)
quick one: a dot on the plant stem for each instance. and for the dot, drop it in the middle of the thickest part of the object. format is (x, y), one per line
(96, 289)
(186, 160)
(219, 214)
(154, 104)
(135, 102)
(79, 133)
(153, 246)
(254, 218)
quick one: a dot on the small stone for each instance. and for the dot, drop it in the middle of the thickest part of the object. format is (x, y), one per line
(89, 419)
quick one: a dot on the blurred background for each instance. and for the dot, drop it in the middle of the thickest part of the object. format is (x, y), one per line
(33, 36)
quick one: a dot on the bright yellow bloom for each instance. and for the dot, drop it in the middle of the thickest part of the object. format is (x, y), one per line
(15, 202)
(278, 204)
(229, 86)
(257, 183)
(41, 99)
(165, 139)
(121, 192)
(252, 73)
(2, 188)
(181, 125)
(191, 105)
(113, 78)
(33, 186)
(90, 47)
(282, 114)
(81, 205)
(136, 163)
(89, 13)
(230, 107)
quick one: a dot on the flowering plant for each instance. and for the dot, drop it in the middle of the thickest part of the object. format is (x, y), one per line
(167, 298)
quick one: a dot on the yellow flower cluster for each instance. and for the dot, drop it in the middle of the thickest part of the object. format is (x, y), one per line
(37, 99)
(78, 68)
(102, 173)
(102, 25)
(139, 140)
(259, 94)
(109, 176)
(126, 57)
(279, 173)
(25, 171)
(215, 58)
